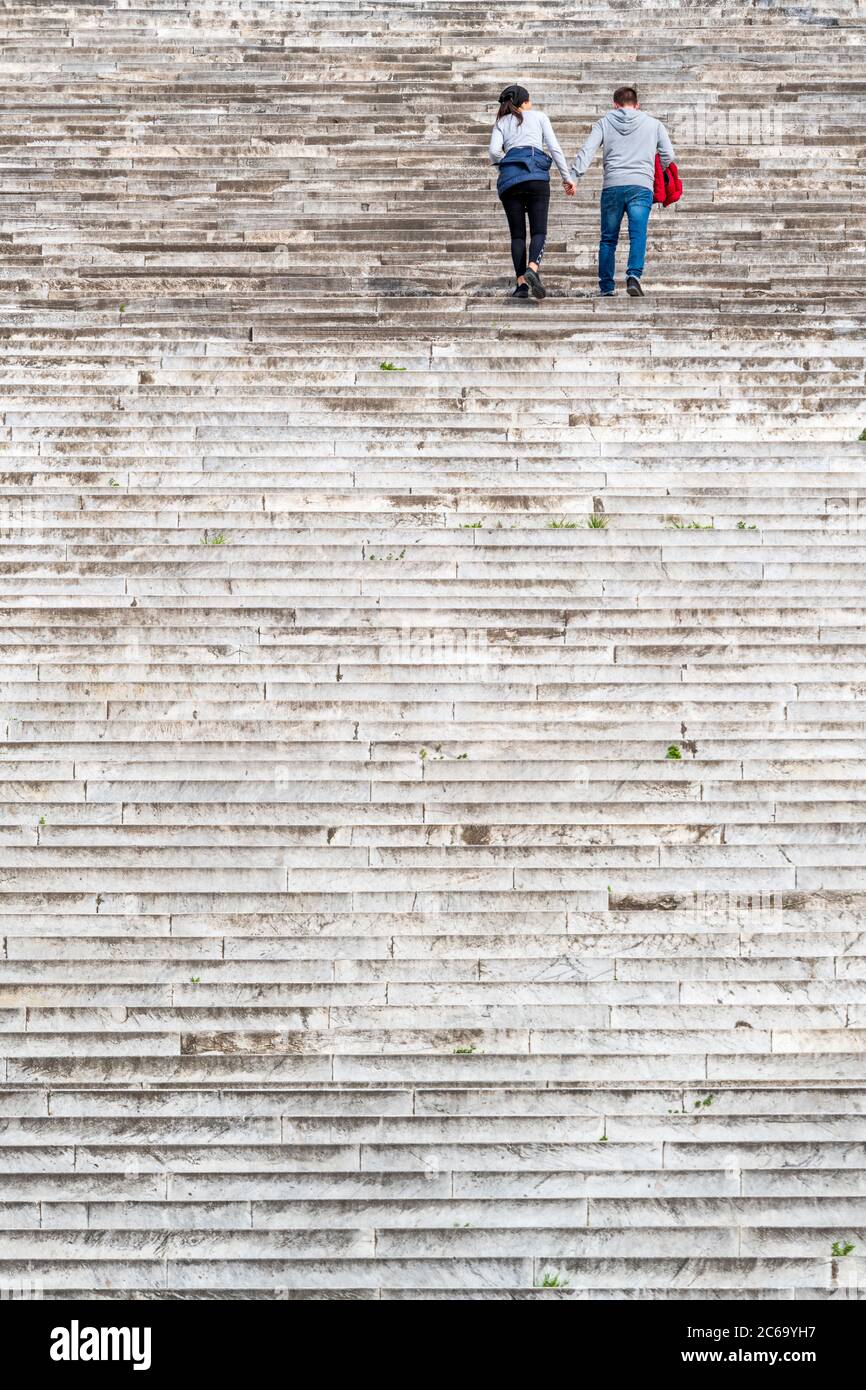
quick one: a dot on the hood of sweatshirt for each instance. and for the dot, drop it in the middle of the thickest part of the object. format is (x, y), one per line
(625, 119)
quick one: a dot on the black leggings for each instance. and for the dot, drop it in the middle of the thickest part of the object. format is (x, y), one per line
(531, 198)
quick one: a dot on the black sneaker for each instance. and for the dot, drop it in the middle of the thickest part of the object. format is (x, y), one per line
(632, 284)
(521, 292)
(533, 279)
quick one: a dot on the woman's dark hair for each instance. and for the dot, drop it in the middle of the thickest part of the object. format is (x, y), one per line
(510, 102)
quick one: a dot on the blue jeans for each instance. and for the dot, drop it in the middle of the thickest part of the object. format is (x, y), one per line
(629, 200)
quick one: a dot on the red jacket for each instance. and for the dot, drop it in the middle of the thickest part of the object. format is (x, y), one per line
(668, 187)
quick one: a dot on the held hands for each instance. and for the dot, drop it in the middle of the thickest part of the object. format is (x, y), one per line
(569, 188)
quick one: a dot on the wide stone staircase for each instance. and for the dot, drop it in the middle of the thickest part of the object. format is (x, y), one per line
(433, 836)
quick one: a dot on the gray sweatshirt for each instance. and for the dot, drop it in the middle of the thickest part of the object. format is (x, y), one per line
(535, 130)
(630, 138)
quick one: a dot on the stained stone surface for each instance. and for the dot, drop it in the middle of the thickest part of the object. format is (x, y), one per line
(362, 934)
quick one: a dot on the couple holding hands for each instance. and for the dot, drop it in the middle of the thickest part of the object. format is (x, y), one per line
(630, 140)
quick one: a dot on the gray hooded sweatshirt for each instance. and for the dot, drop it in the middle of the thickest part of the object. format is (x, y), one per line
(631, 139)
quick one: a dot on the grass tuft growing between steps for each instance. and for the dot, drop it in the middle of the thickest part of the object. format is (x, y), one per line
(596, 521)
(439, 757)
(392, 555)
(840, 1248)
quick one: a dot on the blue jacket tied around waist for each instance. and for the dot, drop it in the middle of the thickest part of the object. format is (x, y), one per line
(520, 164)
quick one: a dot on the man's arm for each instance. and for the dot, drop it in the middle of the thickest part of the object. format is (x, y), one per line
(584, 158)
(664, 147)
(497, 145)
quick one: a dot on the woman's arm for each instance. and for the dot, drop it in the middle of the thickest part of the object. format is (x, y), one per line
(554, 148)
(497, 145)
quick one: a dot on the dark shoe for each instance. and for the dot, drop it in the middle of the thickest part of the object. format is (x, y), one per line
(533, 279)
(632, 284)
(521, 292)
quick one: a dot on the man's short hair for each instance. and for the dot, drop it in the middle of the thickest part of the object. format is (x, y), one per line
(625, 96)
